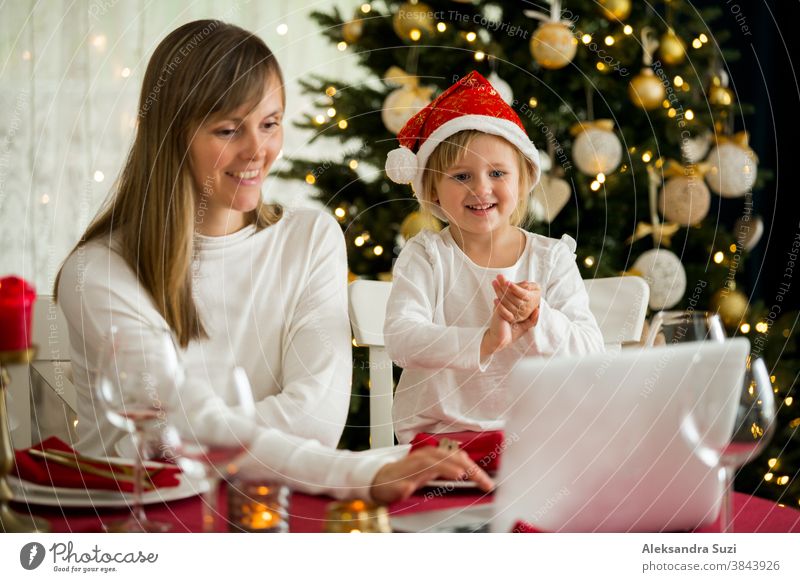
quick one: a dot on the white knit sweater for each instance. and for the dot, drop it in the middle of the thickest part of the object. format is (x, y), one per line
(276, 301)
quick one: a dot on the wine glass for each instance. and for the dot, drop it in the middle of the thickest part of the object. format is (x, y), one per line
(214, 434)
(669, 327)
(728, 446)
(137, 366)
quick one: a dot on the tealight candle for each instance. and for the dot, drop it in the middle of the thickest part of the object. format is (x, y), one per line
(258, 507)
(356, 516)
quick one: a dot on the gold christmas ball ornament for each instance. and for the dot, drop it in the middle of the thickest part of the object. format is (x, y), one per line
(731, 305)
(413, 21)
(415, 222)
(646, 90)
(672, 49)
(402, 104)
(720, 96)
(352, 30)
(732, 169)
(685, 200)
(615, 9)
(553, 45)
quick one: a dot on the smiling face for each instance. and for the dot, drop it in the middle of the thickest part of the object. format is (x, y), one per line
(479, 193)
(230, 155)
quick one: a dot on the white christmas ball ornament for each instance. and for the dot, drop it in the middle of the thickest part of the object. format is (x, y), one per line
(401, 105)
(597, 150)
(503, 88)
(685, 200)
(492, 12)
(665, 275)
(732, 170)
(748, 231)
(695, 149)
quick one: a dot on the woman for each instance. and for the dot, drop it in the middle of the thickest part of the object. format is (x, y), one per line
(186, 242)
(187, 229)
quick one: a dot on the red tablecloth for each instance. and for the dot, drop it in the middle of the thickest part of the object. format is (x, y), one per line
(751, 514)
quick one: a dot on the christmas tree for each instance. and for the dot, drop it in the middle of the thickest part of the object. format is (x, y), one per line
(632, 105)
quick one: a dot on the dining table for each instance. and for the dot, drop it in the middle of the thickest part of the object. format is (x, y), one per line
(307, 512)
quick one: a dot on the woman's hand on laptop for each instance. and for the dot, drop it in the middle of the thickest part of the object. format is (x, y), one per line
(399, 480)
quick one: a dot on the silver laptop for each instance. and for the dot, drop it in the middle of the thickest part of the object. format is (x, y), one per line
(595, 443)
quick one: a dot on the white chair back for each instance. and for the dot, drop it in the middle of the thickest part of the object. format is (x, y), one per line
(52, 395)
(367, 313)
(50, 331)
(618, 303)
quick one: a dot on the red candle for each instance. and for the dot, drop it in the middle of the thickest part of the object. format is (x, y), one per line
(16, 313)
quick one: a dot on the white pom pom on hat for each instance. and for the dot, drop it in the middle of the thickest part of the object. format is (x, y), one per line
(471, 103)
(401, 165)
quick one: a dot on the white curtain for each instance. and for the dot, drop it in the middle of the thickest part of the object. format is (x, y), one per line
(70, 73)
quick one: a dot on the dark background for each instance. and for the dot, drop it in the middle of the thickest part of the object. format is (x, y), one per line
(765, 77)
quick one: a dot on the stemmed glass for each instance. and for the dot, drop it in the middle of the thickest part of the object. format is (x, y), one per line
(719, 445)
(137, 364)
(669, 327)
(214, 434)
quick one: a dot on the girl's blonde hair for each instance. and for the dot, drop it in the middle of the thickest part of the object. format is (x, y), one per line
(200, 70)
(449, 153)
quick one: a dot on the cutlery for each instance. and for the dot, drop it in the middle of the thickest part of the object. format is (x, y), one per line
(125, 466)
(67, 460)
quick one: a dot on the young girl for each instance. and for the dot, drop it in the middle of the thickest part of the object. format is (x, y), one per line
(456, 322)
(187, 244)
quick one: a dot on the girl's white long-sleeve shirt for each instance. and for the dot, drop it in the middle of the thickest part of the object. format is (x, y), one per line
(438, 311)
(275, 302)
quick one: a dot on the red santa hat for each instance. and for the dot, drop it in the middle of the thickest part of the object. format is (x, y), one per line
(471, 103)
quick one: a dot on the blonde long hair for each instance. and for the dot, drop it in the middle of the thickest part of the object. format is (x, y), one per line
(202, 68)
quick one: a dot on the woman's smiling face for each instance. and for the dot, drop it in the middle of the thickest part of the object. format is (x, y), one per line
(231, 155)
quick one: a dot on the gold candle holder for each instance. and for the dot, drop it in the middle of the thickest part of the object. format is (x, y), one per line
(258, 507)
(356, 516)
(12, 521)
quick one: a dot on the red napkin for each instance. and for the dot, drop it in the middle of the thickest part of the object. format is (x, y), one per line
(46, 472)
(524, 527)
(484, 448)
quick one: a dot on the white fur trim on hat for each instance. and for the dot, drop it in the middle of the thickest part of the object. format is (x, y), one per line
(492, 125)
(401, 165)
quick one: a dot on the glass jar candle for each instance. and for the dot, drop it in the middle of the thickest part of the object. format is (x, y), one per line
(258, 507)
(356, 516)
